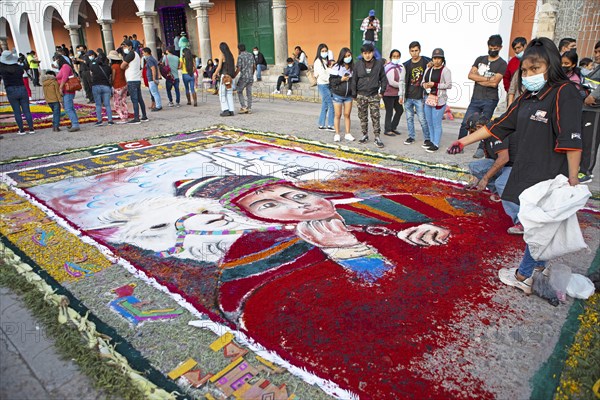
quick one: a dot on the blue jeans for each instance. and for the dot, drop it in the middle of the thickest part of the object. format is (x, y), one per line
(434, 122)
(19, 102)
(188, 83)
(153, 86)
(326, 105)
(70, 109)
(496, 184)
(259, 69)
(171, 85)
(410, 107)
(225, 97)
(135, 92)
(55, 113)
(102, 97)
(483, 107)
(528, 264)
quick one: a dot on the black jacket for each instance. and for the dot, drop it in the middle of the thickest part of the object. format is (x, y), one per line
(340, 88)
(260, 59)
(369, 84)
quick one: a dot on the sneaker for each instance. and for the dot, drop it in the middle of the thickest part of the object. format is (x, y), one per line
(21, 133)
(410, 141)
(134, 122)
(379, 143)
(225, 113)
(177, 105)
(495, 198)
(336, 138)
(331, 129)
(276, 92)
(170, 104)
(248, 111)
(145, 119)
(516, 229)
(289, 92)
(364, 139)
(427, 144)
(322, 128)
(432, 149)
(156, 109)
(99, 123)
(584, 178)
(31, 131)
(508, 276)
(74, 129)
(243, 111)
(110, 122)
(389, 133)
(478, 153)
(349, 137)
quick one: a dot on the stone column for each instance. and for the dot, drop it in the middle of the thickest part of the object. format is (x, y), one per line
(74, 35)
(546, 21)
(386, 28)
(148, 25)
(280, 31)
(109, 41)
(203, 29)
(4, 43)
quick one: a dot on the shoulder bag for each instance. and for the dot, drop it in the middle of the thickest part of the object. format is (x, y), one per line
(432, 99)
(72, 84)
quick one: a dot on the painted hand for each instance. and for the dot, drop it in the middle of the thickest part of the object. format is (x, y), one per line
(425, 235)
(456, 147)
(326, 233)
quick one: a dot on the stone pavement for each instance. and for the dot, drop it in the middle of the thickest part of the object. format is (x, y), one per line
(29, 367)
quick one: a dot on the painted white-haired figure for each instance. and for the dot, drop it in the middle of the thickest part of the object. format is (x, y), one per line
(181, 227)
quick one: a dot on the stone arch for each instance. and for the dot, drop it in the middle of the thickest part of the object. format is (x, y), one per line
(20, 33)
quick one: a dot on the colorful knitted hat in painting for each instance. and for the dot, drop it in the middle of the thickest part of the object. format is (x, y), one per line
(225, 189)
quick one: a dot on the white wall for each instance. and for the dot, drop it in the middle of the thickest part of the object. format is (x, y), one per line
(461, 28)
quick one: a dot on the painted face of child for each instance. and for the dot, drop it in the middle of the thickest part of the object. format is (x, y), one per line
(286, 203)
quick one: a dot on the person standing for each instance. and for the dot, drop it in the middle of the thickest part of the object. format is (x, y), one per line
(226, 70)
(487, 72)
(436, 82)
(34, 65)
(371, 26)
(184, 43)
(518, 46)
(82, 61)
(132, 65)
(393, 97)
(188, 70)
(136, 43)
(566, 44)
(591, 123)
(245, 67)
(22, 61)
(370, 83)
(321, 71)
(261, 63)
(413, 101)
(176, 45)
(343, 91)
(12, 75)
(65, 71)
(119, 85)
(547, 118)
(101, 87)
(153, 76)
(53, 97)
(171, 60)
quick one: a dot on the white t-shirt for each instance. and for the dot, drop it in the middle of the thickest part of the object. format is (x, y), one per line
(134, 72)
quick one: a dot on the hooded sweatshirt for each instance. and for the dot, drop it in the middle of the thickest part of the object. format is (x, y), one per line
(51, 89)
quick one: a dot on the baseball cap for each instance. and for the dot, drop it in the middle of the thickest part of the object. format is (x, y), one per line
(372, 13)
(438, 53)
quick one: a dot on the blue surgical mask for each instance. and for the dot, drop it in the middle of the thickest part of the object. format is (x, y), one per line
(534, 83)
(347, 60)
(126, 50)
(324, 54)
(395, 61)
(519, 55)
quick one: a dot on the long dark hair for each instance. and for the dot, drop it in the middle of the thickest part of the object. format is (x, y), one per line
(340, 61)
(188, 59)
(572, 56)
(544, 49)
(318, 57)
(60, 60)
(229, 63)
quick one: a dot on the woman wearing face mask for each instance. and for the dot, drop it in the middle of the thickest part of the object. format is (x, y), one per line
(261, 63)
(569, 65)
(548, 118)
(321, 71)
(343, 91)
(436, 82)
(65, 71)
(11, 73)
(101, 86)
(393, 97)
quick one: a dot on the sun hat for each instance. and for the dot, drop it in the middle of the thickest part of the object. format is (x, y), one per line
(8, 57)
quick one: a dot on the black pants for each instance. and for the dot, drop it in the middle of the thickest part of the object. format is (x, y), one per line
(86, 79)
(590, 135)
(303, 67)
(392, 105)
(36, 76)
(291, 81)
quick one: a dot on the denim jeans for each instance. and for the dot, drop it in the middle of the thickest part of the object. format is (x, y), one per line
(259, 69)
(412, 106)
(135, 92)
(102, 98)
(226, 97)
(171, 85)
(434, 122)
(528, 264)
(153, 86)
(19, 102)
(55, 113)
(247, 85)
(483, 107)
(188, 83)
(326, 105)
(496, 184)
(70, 109)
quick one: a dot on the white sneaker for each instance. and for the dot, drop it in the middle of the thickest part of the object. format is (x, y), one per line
(289, 92)
(349, 137)
(508, 276)
(170, 104)
(276, 92)
(336, 138)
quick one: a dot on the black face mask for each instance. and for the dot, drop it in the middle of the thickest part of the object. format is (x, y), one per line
(493, 53)
(567, 69)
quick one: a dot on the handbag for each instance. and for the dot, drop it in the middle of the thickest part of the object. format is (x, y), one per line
(227, 81)
(165, 71)
(432, 99)
(72, 84)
